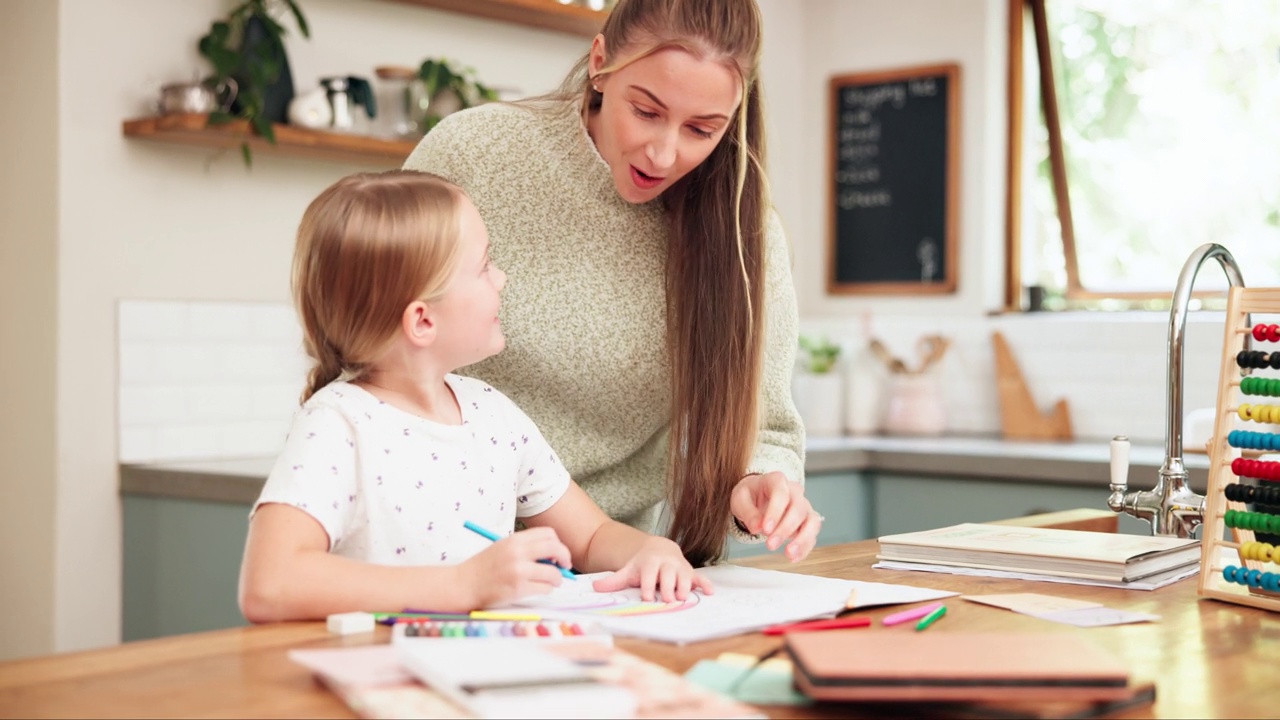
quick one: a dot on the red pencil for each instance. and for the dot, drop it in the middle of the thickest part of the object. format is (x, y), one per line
(831, 624)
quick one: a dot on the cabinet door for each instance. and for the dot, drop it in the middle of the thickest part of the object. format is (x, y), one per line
(843, 500)
(181, 565)
(906, 503)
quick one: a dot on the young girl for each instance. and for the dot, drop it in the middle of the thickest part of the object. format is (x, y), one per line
(391, 453)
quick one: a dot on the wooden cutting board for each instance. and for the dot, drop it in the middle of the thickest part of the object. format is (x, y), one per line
(1020, 419)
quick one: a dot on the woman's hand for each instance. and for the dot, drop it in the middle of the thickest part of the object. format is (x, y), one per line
(509, 568)
(658, 565)
(774, 506)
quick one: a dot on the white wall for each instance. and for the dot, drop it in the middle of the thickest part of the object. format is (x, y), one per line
(28, 287)
(848, 37)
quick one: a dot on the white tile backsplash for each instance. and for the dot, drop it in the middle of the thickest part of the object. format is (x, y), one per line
(222, 380)
(206, 380)
(1111, 368)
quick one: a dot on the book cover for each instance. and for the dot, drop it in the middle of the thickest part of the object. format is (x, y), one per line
(1045, 550)
(956, 666)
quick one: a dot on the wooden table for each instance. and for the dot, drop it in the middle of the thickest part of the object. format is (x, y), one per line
(1209, 659)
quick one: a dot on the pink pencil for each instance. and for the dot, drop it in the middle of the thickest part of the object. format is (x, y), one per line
(912, 614)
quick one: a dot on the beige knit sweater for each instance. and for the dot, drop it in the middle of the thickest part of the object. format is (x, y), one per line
(584, 306)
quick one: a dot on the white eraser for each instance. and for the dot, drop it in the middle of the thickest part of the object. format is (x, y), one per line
(349, 623)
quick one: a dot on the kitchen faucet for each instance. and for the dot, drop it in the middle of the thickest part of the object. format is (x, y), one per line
(1171, 507)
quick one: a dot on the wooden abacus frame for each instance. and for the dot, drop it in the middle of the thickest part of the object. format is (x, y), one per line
(1241, 302)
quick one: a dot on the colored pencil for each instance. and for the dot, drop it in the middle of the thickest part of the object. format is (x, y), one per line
(492, 537)
(931, 618)
(812, 625)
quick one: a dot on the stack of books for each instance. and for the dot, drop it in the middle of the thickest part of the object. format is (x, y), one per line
(1108, 557)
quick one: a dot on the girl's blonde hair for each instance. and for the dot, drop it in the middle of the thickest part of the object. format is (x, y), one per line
(715, 260)
(369, 245)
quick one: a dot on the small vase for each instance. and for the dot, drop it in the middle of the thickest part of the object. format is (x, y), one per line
(277, 95)
(819, 400)
(865, 394)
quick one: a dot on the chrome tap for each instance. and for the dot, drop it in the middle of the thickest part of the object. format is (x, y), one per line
(1171, 507)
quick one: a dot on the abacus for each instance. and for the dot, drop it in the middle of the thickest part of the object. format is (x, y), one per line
(1235, 455)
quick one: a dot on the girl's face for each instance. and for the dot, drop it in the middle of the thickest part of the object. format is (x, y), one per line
(661, 116)
(467, 314)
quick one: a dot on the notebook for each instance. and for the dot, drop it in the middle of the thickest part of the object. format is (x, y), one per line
(955, 666)
(1047, 551)
(508, 678)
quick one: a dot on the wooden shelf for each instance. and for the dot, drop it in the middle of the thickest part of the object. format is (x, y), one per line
(194, 129)
(546, 14)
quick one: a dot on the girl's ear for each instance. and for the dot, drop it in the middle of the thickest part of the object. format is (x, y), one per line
(596, 60)
(419, 323)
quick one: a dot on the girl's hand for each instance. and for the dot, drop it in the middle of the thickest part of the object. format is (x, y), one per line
(772, 505)
(509, 568)
(658, 565)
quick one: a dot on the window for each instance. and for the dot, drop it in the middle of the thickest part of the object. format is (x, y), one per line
(1159, 132)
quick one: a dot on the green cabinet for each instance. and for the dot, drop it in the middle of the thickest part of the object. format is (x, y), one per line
(907, 503)
(181, 565)
(842, 498)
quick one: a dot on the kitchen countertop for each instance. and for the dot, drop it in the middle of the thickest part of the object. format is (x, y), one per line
(1079, 463)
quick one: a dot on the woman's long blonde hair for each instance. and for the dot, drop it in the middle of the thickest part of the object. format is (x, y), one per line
(369, 245)
(715, 262)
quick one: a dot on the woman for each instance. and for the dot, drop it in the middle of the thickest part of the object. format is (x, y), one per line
(650, 313)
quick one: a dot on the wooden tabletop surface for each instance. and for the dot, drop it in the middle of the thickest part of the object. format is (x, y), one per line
(1209, 659)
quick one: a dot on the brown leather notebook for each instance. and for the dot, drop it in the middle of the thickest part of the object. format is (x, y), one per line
(955, 666)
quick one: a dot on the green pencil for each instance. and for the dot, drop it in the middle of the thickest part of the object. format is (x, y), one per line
(931, 618)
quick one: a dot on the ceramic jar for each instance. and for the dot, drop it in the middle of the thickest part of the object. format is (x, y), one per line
(916, 405)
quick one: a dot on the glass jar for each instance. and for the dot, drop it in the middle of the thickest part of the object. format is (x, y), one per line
(402, 103)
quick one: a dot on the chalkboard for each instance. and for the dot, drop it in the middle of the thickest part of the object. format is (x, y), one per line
(892, 181)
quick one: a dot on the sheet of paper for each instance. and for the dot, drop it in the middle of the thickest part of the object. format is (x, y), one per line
(745, 600)
(1080, 613)
(1097, 617)
(1030, 603)
(1153, 582)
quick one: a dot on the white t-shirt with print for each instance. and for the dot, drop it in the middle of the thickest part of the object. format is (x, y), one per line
(393, 488)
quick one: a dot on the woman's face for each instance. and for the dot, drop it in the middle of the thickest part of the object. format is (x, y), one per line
(661, 117)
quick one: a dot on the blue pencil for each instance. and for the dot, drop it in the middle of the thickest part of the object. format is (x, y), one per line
(494, 538)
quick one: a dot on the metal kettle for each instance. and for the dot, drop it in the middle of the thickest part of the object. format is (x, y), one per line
(346, 93)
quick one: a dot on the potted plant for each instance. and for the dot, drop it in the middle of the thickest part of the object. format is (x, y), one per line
(817, 388)
(448, 88)
(248, 46)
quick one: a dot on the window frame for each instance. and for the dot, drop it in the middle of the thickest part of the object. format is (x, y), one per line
(1076, 294)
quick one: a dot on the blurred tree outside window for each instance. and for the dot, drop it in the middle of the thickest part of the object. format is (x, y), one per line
(1169, 119)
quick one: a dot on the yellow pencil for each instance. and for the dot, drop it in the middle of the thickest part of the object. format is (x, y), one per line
(491, 615)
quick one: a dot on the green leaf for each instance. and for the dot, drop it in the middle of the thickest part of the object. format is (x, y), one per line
(247, 154)
(263, 126)
(298, 18)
